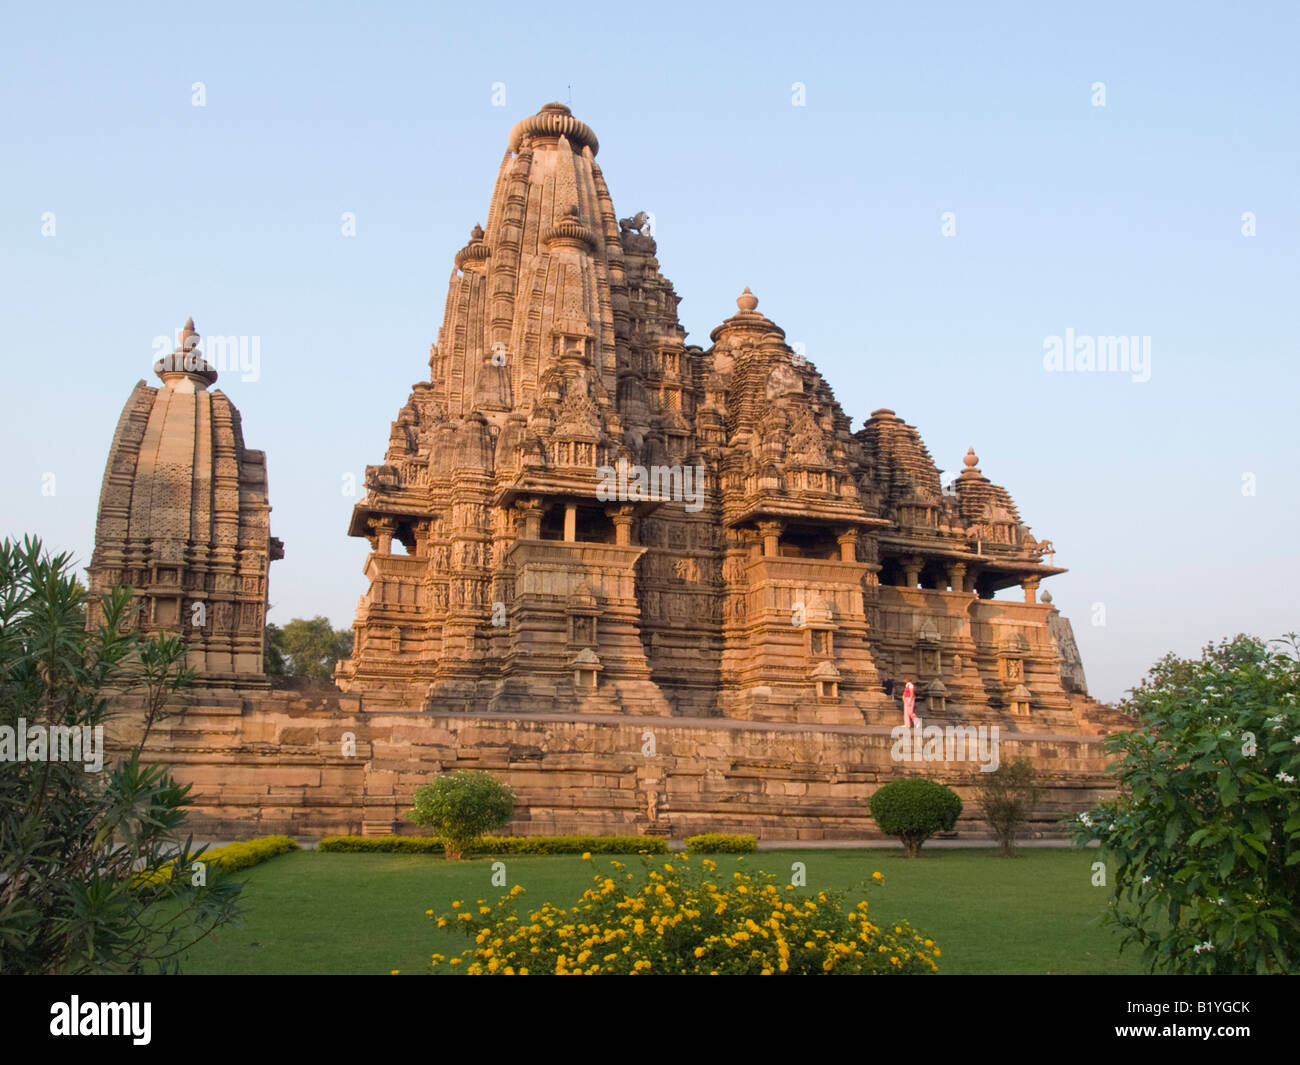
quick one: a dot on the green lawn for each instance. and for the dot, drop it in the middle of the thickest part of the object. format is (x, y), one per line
(312, 912)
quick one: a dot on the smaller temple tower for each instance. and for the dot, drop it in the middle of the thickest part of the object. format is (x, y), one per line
(184, 520)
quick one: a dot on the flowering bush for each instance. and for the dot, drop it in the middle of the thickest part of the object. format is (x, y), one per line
(1205, 836)
(688, 918)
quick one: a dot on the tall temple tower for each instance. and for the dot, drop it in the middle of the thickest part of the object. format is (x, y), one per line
(184, 520)
(775, 567)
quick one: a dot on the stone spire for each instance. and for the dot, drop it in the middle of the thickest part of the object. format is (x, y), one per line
(542, 281)
(184, 519)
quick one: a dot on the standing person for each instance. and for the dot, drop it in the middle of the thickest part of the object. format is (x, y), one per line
(909, 703)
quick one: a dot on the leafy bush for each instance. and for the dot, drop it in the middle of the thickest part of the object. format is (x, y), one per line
(75, 841)
(232, 857)
(499, 844)
(914, 810)
(1204, 838)
(688, 919)
(461, 807)
(719, 843)
(1007, 796)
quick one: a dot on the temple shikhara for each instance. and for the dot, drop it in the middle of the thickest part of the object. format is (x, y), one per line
(585, 529)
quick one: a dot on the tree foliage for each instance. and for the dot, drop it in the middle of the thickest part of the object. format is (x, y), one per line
(79, 848)
(1204, 838)
(306, 648)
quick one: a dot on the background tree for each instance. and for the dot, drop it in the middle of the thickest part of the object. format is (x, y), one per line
(1204, 839)
(462, 806)
(914, 809)
(1007, 797)
(306, 648)
(82, 853)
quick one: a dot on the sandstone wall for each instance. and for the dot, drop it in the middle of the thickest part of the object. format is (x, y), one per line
(274, 762)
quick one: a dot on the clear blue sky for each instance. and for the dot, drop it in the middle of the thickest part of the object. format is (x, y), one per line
(1124, 219)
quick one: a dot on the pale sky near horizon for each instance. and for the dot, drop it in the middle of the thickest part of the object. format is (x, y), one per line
(1172, 500)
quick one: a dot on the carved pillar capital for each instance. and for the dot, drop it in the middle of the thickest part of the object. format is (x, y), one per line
(531, 508)
(848, 541)
(771, 534)
(383, 529)
(912, 570)
(622, 518)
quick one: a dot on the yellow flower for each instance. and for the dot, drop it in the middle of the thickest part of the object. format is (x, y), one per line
(516, 889)
(586, 856)
(394, 972)
(699, 952)
(428, 913)
(877, 876)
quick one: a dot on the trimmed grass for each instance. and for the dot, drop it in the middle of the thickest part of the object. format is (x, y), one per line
(313, 913)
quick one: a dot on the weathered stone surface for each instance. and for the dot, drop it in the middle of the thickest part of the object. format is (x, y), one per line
(794, 782)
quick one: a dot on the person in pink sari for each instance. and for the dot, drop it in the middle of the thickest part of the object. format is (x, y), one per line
(909, 703)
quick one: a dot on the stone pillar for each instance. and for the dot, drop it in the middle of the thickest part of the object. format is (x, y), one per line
(848, 542)
(420, 530)
(532, 512)
(912, 571)
(570, 522)
(622, 519)
(1031, 589)
(771, 533)
(957, 576)
(384, 529)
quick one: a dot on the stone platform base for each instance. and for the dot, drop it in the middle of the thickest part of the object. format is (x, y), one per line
(281, 762)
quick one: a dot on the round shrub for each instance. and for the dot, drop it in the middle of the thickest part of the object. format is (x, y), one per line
(914, 810)
(462, 806)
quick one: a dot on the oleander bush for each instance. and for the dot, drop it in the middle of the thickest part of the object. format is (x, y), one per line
(914, 809)
(78, 828)
(720, 843)
(1203, 842)
(498, 845)
(687, 919)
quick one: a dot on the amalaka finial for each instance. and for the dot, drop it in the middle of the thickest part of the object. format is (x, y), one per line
(746, 301)
(971, 460)
(186, 367)
(476, 233)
